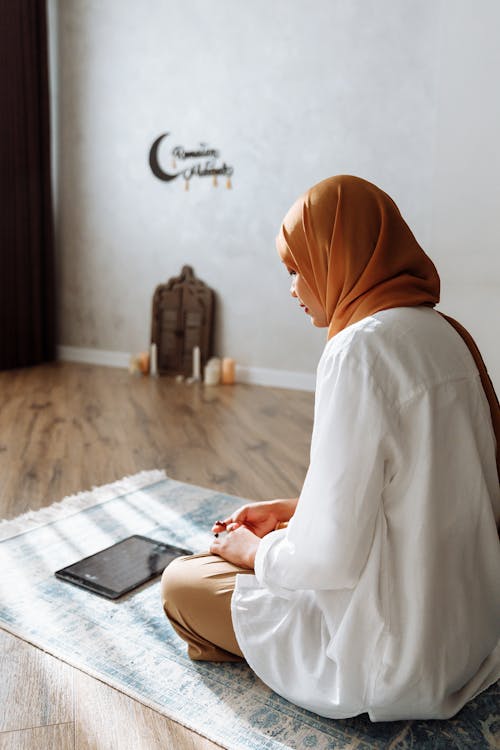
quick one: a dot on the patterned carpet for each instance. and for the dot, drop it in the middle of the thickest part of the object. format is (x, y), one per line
(129, 644)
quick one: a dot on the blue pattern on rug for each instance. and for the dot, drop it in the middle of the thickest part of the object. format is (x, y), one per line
(130, 645)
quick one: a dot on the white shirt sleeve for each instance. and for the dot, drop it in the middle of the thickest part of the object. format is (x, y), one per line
(328, 539)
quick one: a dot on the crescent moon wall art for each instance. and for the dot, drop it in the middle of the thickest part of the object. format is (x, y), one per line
(201, 162)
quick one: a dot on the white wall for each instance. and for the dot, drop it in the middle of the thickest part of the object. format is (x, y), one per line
(290, 92)
(465, 238)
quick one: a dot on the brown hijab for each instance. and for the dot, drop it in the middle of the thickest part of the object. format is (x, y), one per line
(357, 255)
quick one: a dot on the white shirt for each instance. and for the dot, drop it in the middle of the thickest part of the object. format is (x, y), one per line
(383, 593)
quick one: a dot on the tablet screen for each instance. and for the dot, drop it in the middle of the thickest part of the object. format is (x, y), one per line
(122, 567)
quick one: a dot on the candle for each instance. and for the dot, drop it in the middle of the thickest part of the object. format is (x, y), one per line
(144, 362)
(212, 372)
(153, 368)
(134, 366)
(227, 371)
(196, 362)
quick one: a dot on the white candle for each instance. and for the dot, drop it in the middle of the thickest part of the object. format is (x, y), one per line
(153, 365)
(212, 372)
(196, 363)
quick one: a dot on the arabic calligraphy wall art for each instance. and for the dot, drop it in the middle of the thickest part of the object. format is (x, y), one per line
(200, 162)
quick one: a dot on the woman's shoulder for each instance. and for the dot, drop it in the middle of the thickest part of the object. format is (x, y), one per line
(403, 349)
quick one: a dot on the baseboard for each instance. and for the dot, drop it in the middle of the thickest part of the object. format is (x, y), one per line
(93, 356)
(300, 381)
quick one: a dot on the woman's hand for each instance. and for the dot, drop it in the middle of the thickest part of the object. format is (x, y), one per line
(260, 518)
(238, 547)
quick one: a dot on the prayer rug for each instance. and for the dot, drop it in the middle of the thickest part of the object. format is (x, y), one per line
(130, 645)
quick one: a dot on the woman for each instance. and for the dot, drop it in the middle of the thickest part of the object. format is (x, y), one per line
(382, 593)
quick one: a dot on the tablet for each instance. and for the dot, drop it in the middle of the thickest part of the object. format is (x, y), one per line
(124, 566)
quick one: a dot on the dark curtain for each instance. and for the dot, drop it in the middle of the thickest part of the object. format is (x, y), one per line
(27, 285)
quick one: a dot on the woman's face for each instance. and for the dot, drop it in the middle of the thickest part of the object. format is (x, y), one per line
(307, 300)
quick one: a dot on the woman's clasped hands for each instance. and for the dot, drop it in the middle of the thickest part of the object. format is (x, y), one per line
(246, 526)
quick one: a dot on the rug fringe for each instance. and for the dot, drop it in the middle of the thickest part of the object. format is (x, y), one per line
(75, 503)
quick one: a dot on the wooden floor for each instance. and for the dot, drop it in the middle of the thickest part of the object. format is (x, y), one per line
(66, 428)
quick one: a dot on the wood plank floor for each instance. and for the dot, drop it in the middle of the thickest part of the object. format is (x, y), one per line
(66, 428)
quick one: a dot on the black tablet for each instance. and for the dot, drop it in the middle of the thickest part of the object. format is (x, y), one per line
(124, 566)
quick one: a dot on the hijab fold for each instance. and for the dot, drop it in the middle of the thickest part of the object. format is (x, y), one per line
(353, 249)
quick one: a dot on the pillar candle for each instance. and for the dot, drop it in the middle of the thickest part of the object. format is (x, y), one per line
(196, 362)
(227, 371)
(153, 367)
(212, 372)
(144, 362)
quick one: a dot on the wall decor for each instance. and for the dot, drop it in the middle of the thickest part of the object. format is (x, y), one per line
(202, 162)
(183, 321)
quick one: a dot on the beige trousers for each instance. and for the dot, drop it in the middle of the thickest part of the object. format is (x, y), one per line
(196, 594)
